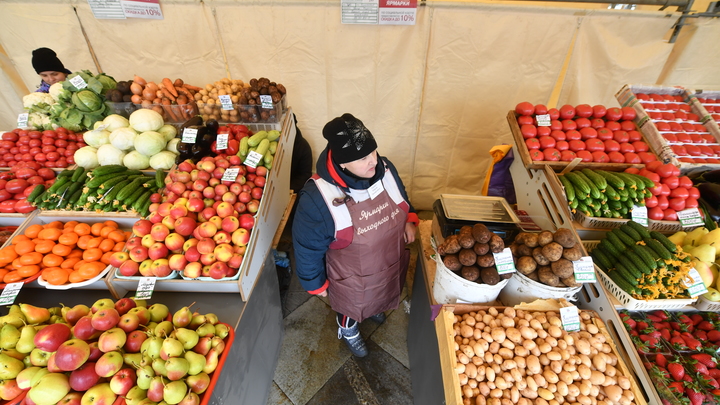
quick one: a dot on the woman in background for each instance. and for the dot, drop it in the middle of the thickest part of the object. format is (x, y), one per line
(49, 67)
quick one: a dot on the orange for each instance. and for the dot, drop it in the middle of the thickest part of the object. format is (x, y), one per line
(106, 230)
(52, 260)
(16, 264)
(111, 223)
(94, 242)
(44, 246)
(69, 262)
(83, 240)
(28, 271)
(128, 234)
(92, 254)
(25, 247)
(8, 254)
(106, 257)
(54, 225)
(75, 277)
(50, 234)
(68, 230)
(70, 224)
(12, 277)
(32, 231)
(31, 258)
(119, 247)
(117, 235)
(96, 228)
(69, 238)
(56, 276)
(107, 245)
(75, 253)
(20, 238)
(61, 250)
(82, 229)
(3, 272)
(91, 269)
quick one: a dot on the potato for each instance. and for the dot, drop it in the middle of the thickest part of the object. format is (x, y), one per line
(481, 233)
(544, 238)
(552, 251)
(452, 262)
(450, 246)
(546, 276)
(481, 248)
(487, 260)
(523, 250)
(570, 281)
(526, 265)
(565, 238)
(467, 257)
(506, 276)
(539, 257)
(574, 253)
(496, 244)
(470, 273)
(466, 240)
(562, 268)
(534, 276)
(489, 275)
(513, 248)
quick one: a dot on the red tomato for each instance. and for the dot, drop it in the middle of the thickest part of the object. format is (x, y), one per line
(23, 207)
(668, 116)
(611, 146)
(688, 127)
(693, 150)
(632, 157)
(5, 195)
(671, 181)
(525, 108)
(600, 157)
(558, 135)
(567, 112)
(683, 137)
(621, 136)
(612, 125)
(53, 156)
(40, 157)
(670, 214)
(616, 157)
(613, 114)
(47, 141)
(647, 157)
(640, 146)
(642, 96)
(546, 142)
(35, 134)
(573, 135)
(691, 202)
(693, 192)
(582, 123)
(594, 145)
(665, 170)
(604, 134)
(632, 170)
(628, 113)
(662, 202)
(554, 114)
(540, 109)
(532, 143)
(577, 145)
(651, 202)
(664, 190)
(700, 128)
(626, 147)
(652, 167)
(656, 213)
(525, 120)
(552, 154)
(567, 155)
(541, 131)
(597, 123)
(662, 126)
(585, 156)
(676, 127)
(679, 192)
(569, 125)
(588, 133)
(528, 131)
(599, 111)
(35, 180)
(681, 115)
(584, 111)
(70, 160)
(562, 145)
(536, 155)
(556, 125)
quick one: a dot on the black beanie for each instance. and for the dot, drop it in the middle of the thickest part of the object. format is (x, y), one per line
(45, 60)
(348, 139)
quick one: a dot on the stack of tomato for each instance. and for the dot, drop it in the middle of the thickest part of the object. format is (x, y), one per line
(48, 148)
(592, 133)
(672, 192)
(235, 132)
(19, 182)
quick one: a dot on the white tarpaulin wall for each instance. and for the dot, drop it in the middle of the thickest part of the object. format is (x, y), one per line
(435, 94)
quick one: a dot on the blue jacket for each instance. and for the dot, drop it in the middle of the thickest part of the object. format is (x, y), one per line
(313, 228)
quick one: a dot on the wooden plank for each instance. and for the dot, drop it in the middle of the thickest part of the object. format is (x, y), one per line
(446, 343)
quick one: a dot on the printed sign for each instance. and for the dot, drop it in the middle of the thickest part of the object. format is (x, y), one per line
(266, 101)
(359, 11)
(222, 141)
(504, 261)
(639, 214)
(78, 82)
(22, 120)
(10, 292)
(376, 189)
(694, 284)
(570, 318)
(253, 159)
(107, 9)
(690, 217)
(146, 285)
(230, 174)
(189, 135)
(397, 12)
(584, 270)
(226, 102)
(543, 120)
(142, 9)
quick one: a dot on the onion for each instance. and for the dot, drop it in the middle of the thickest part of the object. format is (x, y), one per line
(136, 88)
(148, 94)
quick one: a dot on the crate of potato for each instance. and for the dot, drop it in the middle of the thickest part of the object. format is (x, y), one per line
(499, 355)
(63, 252)
(257, 101)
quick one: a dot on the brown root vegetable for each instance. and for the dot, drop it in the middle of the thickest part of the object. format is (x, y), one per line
(513, 249)
(466, 240)
(486, 260)
(573, 254)
(552, 251)
(452, 262)
(481, 248)
(563, 268)
(481, 233)
(546, 276)
(505, 276)
(467, 257)
(496, 244)
(470, 273)
(524, 250)
(570, 281)
(526, 264)
(489, 275)
(531, 240)
(565, 238)
(450, 246)
(467, 229)
(520, 238)
(544, 238)
(539, 257)
(533, 276)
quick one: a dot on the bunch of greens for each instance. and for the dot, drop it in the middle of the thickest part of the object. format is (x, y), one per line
(79, 109)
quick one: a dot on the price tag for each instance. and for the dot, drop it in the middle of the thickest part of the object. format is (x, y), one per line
(584, 270)
(543, 120)
(230, 174)
(189, 135)
(639, 215)
(10, 293)
(570, 318)
(694, 284)
(22, 120)
(266, 101)
(690, 217)
(222, 141)
(146, 285)
(78, 82)
(226, 102)
(376, 189)
(504, 261)
(253, 159)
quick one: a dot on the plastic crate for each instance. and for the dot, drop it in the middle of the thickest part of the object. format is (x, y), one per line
(704, 304)
(631, 303)
(599, 222)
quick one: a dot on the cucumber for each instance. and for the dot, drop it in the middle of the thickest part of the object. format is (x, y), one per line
(611, 193)
(584, 209)
(641, 186)
(625, 273)
(109, 169)
(664, 240)
(145, 208)
(243, 150)
(599, 180)
(569, 190)
(111, 182)
(621, 282)
(581, 187)
(255, 140)
(130, 188)
(37, 192)
(59, 182)
(594, 191)
(160, 178)
(629, 181)
(97, 181)
(625, 238)
(65, 173)
(609, 249)
(612, 179)
(616, 242)
(639, 229)
(647, 182)
(659, 249)
(631, 232)
(646, 255)
(74, 198)
(77, 174)
(127, 202)
(141, 201)
(631, 257)
(263, 147)
(112, 195)
(601, 259)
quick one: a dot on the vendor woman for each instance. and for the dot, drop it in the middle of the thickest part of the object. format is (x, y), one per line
(49, 67)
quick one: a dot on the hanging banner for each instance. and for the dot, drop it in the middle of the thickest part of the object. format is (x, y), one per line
(359, 11)
(142, 9)
(398, 12)
(379, 12)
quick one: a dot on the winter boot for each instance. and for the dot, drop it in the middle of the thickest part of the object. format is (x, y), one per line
(353, 339)
(379, 318)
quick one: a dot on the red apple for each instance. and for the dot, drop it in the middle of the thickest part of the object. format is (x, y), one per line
(105, 319)
(129, 268)
(134, 340)
(118, 258)
(247, 221)
(142, 227)
(84, 377)
(72, 354)
(51, 337)
(122, 381)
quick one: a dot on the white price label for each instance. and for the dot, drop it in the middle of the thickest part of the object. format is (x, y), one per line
(253, 159)
(584, 270)
(266, 101)
(146, 285)
(10, 293)
(222, 141)
(570, 318)
(142, 9)
(690, 217)
(543, 120)
(504, 261)
(639, 215)
(78, 82)
(230, 174)
(22, 120)
(189, 135)
(376, 189)
(226, 102)
(694, 284)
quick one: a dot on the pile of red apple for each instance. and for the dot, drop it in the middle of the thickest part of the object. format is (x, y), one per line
(672, 192)
(112, 351)
(202, 226)
(591, 133)
(50, 148)
(17, 183)
(689, 139)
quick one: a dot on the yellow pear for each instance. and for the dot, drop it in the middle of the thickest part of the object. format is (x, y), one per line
(711, 238)
(705, 273)
(694, 236)
(712, 295)
(705, 253)
(678, 238)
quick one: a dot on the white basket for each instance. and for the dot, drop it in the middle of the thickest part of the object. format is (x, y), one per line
(599, 222)
(704, 304)
(81, 284)
(449, 288)
(520, 289)
(631, 303)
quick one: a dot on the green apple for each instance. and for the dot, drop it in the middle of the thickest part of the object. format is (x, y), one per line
(712, 295)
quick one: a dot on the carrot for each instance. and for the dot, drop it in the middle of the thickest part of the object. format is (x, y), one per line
(190, 87)
(178, 111)
(168, 109)
(169, 86)
(182, 100)
(178, 82)
(168, 94)
(159, 109)
(181, 90)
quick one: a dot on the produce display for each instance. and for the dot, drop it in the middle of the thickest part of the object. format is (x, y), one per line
(248, 100)
(61, 253)
(141, 142)
(526, 358)
(671, 192)
(469, 254)
(592, 133)
(547, 257)
(19, 183)
(600, 193)
(173, 100)
(97, 354)
(49, 148)
(711, 105)
(646, 265)
(703, 247)
(202, 226)
(112, 188)
(80, 107)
